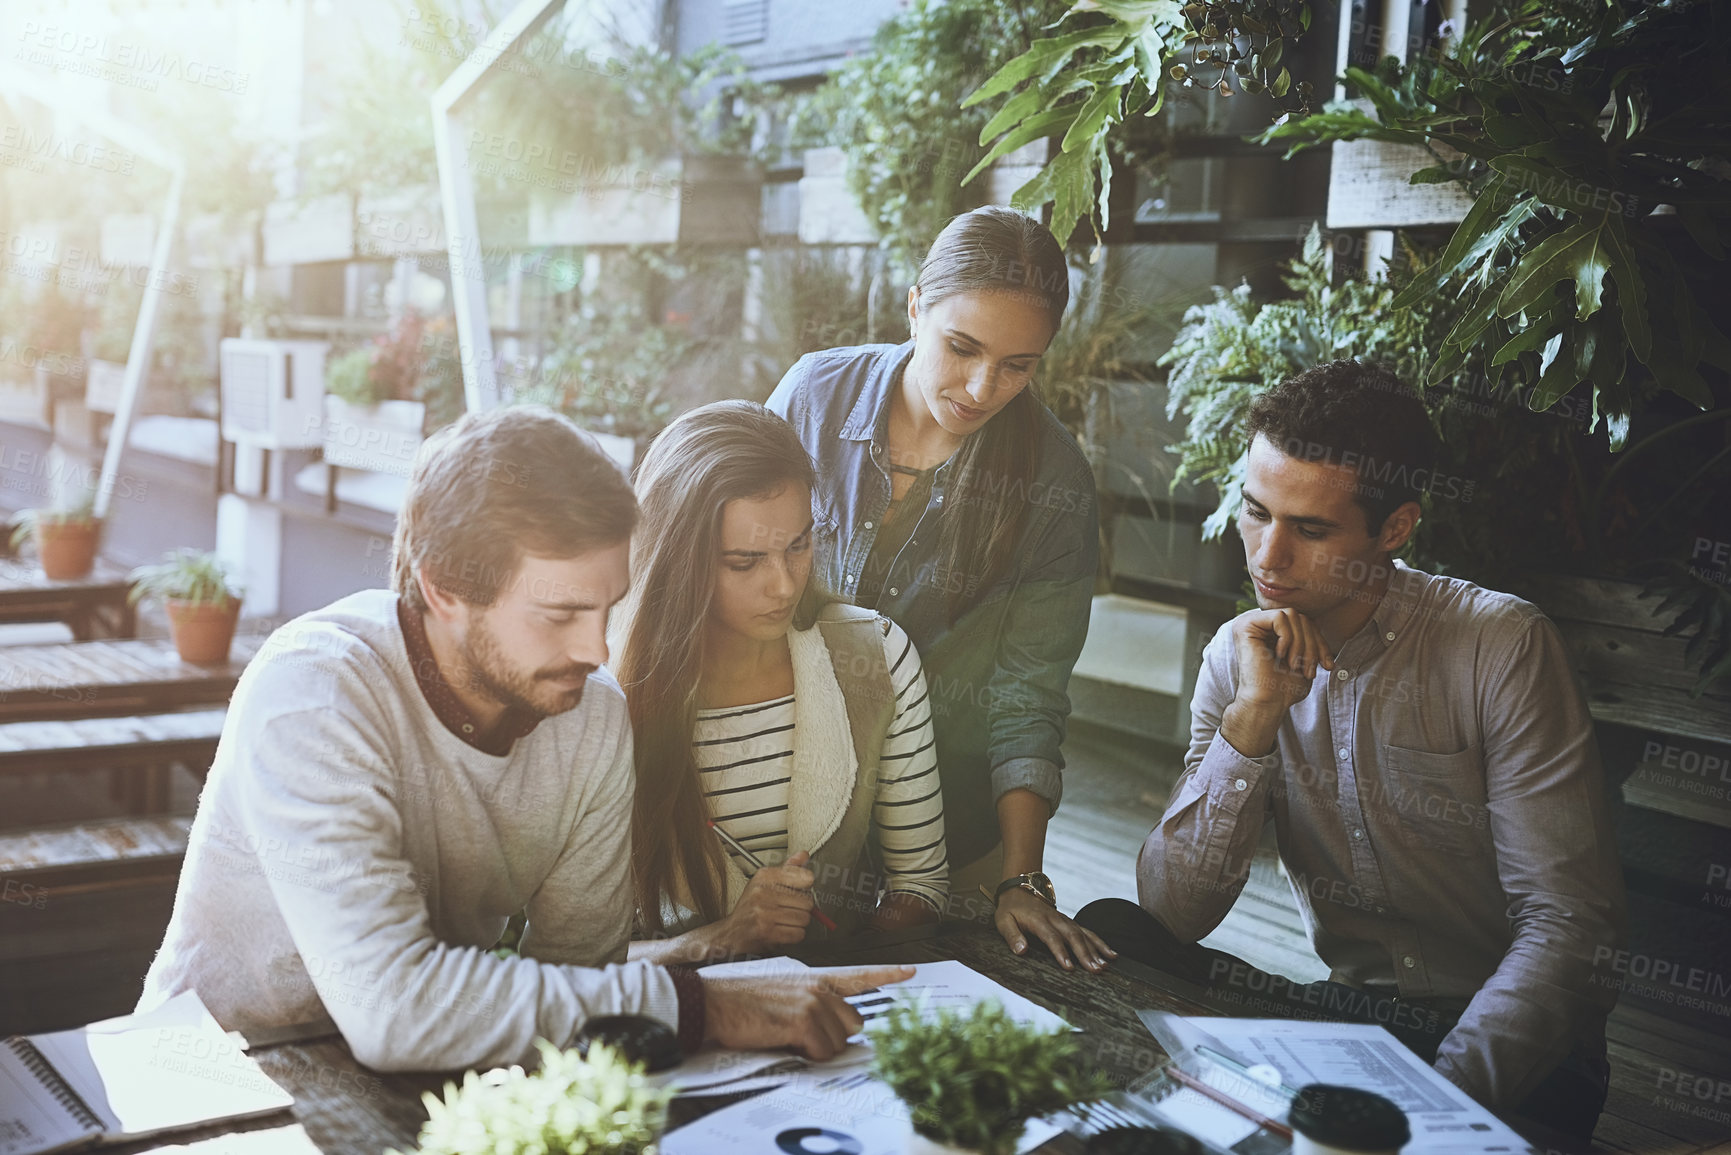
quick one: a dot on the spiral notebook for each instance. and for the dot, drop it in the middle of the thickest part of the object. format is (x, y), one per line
(127, 1078)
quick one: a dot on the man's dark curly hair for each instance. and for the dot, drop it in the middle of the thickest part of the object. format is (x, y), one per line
(1358, 415)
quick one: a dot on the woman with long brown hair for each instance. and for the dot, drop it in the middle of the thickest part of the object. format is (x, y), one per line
(950, 500)
(799, 726)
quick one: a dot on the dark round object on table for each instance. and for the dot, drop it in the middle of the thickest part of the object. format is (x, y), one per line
(639, 1038)
(1143, 1141)
(1348, 1118)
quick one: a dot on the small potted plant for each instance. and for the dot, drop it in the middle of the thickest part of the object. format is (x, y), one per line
(972, 1081)
(66, 539)
(203, 602)
(572, 1105)
(375, 411)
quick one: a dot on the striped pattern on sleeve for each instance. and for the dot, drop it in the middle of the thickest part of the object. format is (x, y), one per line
(908, 816)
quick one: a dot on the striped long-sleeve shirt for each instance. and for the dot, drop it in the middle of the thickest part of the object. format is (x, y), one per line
(745, 757)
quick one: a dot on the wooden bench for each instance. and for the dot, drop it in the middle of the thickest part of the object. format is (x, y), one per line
(82, 912)
(139, 751)
(109, 678)
(93, 606)
(57, 861)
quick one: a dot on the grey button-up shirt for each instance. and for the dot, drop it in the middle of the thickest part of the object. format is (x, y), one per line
(1440, 808)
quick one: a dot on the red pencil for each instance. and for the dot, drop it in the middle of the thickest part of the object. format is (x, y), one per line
(757, 864)
(1228, 1101)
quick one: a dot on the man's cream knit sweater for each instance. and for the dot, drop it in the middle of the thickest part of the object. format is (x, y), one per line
(352, 857)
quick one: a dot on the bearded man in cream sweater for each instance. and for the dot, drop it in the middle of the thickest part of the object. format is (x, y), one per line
(404, 769)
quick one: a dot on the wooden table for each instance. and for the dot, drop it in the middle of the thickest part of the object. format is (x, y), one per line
(106, 678)
(93, 606)
(347, 1108)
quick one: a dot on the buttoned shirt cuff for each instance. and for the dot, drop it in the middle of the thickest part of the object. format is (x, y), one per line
(689, 1016)
(1228, 776)
(1036, 774)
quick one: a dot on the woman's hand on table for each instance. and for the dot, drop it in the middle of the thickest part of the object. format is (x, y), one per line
(807, 1012)
(1022, 917)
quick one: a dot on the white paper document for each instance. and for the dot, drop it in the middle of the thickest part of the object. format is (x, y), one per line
(1364, 1055)
(940, 985)
(844, 1112)
(834, 1107)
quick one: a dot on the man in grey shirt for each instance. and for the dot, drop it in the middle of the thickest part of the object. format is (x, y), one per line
(1428, 762)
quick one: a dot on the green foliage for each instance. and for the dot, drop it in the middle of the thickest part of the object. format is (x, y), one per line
(896, 111)
(349, 376)
(581, 112)
(82, 512)
(1570, 122)
(1109, 65)
(194, 576)
(974, 1079)
(1703, 600)
(1528, 490)
(1232, 349)
(415, 361)
(606, 372)
(599, 1105)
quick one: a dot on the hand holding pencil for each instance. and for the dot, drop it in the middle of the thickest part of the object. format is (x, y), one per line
(774, 910)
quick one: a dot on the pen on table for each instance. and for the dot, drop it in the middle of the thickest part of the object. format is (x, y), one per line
(734, 845)
(1227, 1101)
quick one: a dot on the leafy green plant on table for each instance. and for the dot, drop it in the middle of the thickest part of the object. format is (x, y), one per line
(196, 577)
(572, 1105)
(1570, 122)
(973, 1080)
(1107, 66)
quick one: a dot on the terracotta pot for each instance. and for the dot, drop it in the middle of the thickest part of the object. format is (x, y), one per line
(203, 632)
(67, 549)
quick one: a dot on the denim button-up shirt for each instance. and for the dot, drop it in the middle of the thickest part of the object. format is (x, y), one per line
(999, 673)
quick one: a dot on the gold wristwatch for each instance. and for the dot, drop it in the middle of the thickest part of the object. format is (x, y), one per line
(1034, 882)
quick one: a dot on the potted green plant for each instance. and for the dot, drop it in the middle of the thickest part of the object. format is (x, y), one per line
(66, 539)
(972, 1081)
(373, 418)
(573, 1105)
(202, 600)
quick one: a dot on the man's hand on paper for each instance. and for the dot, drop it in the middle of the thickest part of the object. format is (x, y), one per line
(804, 1011)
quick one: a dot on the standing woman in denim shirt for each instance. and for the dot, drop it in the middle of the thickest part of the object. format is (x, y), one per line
(954, 503)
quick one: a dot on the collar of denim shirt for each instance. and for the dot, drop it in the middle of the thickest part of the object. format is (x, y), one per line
(868, 420)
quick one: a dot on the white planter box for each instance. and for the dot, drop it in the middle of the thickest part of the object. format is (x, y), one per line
(828, 212)
(382, 438)
(103, 385)
(406, 223)
(716, 200)
(1368, 187)
(322, 229)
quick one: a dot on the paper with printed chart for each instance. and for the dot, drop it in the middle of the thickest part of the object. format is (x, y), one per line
(716, 1071)
(1444, 1119)
(832, 1112)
